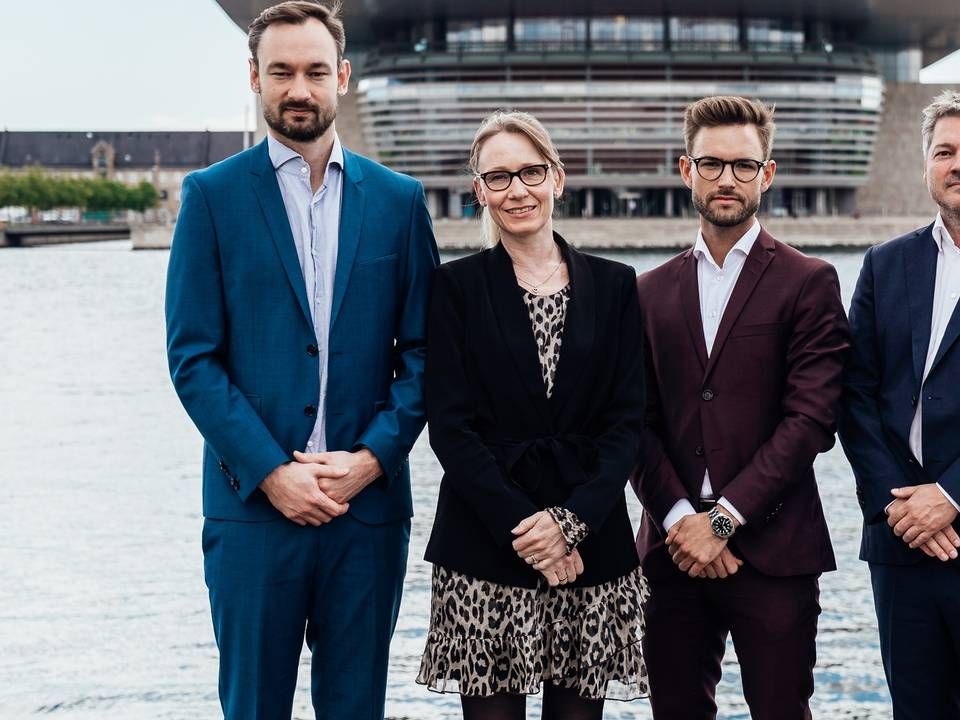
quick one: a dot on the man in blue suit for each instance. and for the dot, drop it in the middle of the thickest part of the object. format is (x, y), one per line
(296, 308)
(901, 432)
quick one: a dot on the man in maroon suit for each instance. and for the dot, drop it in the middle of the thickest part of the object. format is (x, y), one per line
(745, 340)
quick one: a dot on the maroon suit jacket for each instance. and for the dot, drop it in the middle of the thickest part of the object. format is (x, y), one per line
(756, 412)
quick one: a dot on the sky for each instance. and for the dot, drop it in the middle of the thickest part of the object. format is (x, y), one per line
(142, 65)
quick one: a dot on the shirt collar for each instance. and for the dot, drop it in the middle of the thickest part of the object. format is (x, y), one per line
(280, 154)
(743, 245)
(941, 236)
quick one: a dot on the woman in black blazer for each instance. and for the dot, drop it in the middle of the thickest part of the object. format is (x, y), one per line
(534, 384)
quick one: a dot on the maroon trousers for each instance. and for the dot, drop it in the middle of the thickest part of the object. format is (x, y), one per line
(773, 623)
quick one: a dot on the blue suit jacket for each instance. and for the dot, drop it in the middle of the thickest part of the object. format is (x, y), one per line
(890, 323)
(239, 328)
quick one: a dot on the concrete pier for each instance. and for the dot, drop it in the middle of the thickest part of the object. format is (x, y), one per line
(34, 235)
(149, 236)
(813, 233)
(678, 233)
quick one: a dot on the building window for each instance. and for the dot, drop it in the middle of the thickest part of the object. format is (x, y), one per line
(562, 31)
(627, 32)
(477, 32)
(704, 34)
(773, 36)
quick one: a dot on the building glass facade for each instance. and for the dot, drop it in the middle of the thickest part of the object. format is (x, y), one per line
(612, 91)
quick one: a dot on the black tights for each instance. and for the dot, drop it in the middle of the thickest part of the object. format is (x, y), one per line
(559, 703)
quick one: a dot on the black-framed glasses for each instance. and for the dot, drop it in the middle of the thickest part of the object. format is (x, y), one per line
(711, 168)
(531, 176)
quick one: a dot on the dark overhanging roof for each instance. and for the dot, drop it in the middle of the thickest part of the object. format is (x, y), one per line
(933, 25)
(134, 150)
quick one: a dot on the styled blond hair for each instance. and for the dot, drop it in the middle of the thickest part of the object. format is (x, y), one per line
(721, 110)
(520, 123)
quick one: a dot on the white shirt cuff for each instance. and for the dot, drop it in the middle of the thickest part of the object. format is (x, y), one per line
(732, 510)
(681, 509)
(947, 496)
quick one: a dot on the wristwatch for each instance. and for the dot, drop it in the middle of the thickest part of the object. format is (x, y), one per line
(721, 525)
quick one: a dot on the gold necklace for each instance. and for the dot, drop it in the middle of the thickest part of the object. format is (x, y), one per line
(535, 287)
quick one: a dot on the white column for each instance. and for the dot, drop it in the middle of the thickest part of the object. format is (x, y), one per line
(433, 203)
(454, 208)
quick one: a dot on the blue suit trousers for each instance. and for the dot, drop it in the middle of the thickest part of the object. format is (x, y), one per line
(272, 584)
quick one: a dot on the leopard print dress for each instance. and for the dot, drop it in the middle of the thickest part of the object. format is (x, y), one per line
(487, 638)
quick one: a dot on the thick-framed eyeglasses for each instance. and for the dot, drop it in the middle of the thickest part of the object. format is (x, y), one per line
(531, 176)
(711, 168)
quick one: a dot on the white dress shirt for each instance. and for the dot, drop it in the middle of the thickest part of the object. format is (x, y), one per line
(945, 293)
(715, 284)
(315, 223)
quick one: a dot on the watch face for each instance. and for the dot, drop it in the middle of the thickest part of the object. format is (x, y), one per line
(721, 524)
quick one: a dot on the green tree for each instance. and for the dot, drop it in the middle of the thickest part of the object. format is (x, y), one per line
(8, 190)
(143, 197)
(36, 190)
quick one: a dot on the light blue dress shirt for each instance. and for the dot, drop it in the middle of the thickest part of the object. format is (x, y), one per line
(315, 223)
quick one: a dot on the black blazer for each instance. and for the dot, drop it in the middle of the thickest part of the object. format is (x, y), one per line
(506, 449)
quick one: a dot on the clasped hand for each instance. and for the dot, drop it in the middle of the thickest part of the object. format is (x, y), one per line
(697, 551)
(541, 544)
(921, 516)
(317, 487)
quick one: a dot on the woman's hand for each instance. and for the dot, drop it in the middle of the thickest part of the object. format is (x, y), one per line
(539, 541)
(564, 571)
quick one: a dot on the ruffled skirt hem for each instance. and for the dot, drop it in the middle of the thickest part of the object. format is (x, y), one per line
(585, 639)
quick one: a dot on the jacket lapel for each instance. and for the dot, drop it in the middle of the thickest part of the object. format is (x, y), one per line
(920, 265)
(267, 190)
(952, 331)
(756, 262)
(690, 300)
(351, 224)
(579, 326)
(506, 297)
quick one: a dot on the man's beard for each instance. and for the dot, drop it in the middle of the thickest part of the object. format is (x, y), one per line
(301, 132)
(729, 218)
(951, 211)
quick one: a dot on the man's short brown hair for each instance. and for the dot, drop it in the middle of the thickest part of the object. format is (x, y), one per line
(297, 12)
(729, 110)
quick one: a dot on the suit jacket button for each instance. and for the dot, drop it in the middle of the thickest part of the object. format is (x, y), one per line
(310, 411)
(699, 451)
(312, 350)
(913, 400)
(708, 395)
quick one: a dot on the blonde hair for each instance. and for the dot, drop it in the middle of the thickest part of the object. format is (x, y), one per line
(729, 110)
(510, 121)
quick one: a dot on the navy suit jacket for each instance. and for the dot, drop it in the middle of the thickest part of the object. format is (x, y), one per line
(240, 340)
(890, 318)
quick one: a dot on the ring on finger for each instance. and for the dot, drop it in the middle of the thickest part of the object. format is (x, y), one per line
(532, 559)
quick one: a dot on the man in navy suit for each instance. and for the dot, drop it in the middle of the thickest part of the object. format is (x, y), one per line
(296, 308)
(901, 432)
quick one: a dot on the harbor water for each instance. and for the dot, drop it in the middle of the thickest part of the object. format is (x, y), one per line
(103, 608)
